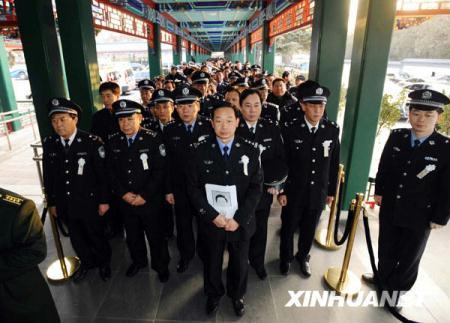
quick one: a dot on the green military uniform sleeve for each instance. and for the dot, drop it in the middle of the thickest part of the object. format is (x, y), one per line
(25, 247)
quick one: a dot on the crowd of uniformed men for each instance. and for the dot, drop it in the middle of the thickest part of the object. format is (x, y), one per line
(144, 168)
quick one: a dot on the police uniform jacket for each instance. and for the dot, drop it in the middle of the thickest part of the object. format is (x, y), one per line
(177, 141)
(282, 101)
(104, 124)
(267, 138)
(207, 104)
(140, 168)
(312, 167)
(270, 111)
(75, 182)
(207, 166)
(415, 182)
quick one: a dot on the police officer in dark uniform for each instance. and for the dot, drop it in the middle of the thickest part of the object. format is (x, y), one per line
(200, 81)
(178, 137)
(136, 168)
(146, 89)
(270, 111)
(312, 152)
(76, 186)
(413, 189)
(225, 160)
(24, 294)
(103, 122)
(279, 95)
(267, 137)
(175, 76)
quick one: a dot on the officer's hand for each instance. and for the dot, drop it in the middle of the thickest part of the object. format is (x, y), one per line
(52, 211)
(129, 197)
(273, 191)
(170, 199)
(378, 199)
(435, 225)
(329, 200)
(282, 200)
(220, 221)
(138, 201)
(232, 225)
(102, 209)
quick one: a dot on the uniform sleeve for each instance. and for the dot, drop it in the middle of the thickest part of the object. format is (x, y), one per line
(112, 172)
(152, 190)
(246, 212)
(99, 155)
(195, 189)
(48, 174)
(168, 178)
(334, 166)
(28, 247)
(384, 167)
(287, 153)
(441, 213)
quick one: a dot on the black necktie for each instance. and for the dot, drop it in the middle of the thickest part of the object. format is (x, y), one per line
(225, 152)
(313, 130)
(66, 145)
(130, 142)
(416, 143)
(189, 129)
(252, 130)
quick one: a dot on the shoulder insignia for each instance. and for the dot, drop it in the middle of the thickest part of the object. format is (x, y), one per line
(11, 199)
(150, 132)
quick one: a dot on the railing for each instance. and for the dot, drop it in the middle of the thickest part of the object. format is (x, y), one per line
(25, 115)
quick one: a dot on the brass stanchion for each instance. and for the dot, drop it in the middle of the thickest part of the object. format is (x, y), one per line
(324, 237)
(343, 280)
(63, 268)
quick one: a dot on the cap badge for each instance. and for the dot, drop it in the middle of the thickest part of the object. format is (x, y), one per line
(146, 82)
(202, 74)
(426, 95)
(55, 102)
(160, 92)
(185, 91)
(319, 91)
(122, 104)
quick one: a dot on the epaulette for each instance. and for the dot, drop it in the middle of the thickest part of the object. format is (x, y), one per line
(115, 134)
(149, 132)
(334, 124)
(95, 138)
(48, 138)
(10, 198)
(400, 130)
(272, 104)
(251, 143)
(197, 144)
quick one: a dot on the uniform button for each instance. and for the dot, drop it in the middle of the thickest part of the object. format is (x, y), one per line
(404, 174)
(129, 160)
(67, 182)
(67, 172)
(68, 193)
(409, 162)
(227, 172)
(313, 160)
(207, 170)
(398, 197)
(129, 182)
(313, 172)
(401, 186)
(129, 171)
(66, 161)
(314, 149)
(312, 182)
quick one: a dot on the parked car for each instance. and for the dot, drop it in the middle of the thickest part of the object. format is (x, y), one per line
(417, 86)
(141, 75)
(123, 75)
(19, 73)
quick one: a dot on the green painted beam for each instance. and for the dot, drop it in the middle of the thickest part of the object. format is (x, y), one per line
(80, 56)
(268, 53)
(373, 33)
(177, 51)
(154, 54)
(42, 56)
(7, 97)
(329, 36)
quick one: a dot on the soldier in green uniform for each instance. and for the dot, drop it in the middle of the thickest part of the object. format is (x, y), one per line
(24, 294)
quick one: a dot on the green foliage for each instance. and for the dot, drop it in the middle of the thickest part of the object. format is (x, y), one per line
(294, 42)
(444, 121)
(390, 111)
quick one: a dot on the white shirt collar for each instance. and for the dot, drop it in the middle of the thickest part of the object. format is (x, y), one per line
(310, 125)
(254, 126)
(161, 125)
(71, 138)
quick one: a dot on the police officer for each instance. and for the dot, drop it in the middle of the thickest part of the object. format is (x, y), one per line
(178, 136)
(312, 153)
(174, 75)
(146, 89)
(267, 137)
(136, 168)
(76, 186)
(413, 189)
(225, 160)
(279, 95)
(200, 81)
(270, 110)
(103, 122)
(24, 294)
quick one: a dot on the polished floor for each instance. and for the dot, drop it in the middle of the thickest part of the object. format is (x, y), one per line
(144, 299)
